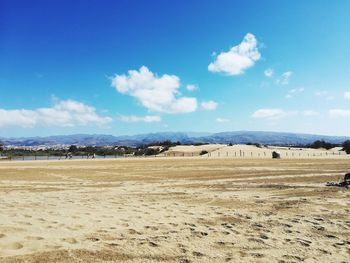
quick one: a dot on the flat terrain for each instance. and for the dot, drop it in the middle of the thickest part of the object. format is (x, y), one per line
(174, 210)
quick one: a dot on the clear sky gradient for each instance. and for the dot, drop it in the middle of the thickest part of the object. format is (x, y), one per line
(128, 67)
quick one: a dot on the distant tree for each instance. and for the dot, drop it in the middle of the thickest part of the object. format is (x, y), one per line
(89, 149)
(73, 149)
(346, 146)
(322, 144)
(151, 151)
(1, 147)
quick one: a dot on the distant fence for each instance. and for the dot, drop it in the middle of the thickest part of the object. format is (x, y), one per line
(55, 157)
(252, 154)
(215, 154)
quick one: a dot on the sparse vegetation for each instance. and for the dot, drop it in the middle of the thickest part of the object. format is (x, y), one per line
(256, 144)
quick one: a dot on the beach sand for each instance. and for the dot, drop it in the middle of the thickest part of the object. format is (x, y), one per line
(174, 210)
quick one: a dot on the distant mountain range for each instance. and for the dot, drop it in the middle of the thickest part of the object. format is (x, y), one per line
(271, 138)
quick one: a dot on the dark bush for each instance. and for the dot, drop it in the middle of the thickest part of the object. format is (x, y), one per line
(346, 146)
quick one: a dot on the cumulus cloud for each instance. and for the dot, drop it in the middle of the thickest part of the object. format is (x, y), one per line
(347, 95)
(158, 94)
(147, 118)
(209, 105)
(191, 87)
(272, 114)
(292, 92)
(339, 113)
(63, 113)
(222, 120)
(238, 58)
(284, 78)
(268, 72)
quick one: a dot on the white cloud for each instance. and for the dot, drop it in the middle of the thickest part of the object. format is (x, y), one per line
(272, 114)
(222, 120)
(284, 78)
(347, 95)
(63, 113)
(191, 87)
(209, 105)
(311, 113)
(238, 58)
(268, 72)
(338, 113)
(147, 118)
(158, 94)
(292, 92)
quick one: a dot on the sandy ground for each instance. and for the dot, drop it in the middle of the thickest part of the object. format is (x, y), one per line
(174, 210)
(252, 151)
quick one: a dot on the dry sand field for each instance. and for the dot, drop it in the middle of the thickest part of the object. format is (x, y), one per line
(174, 210)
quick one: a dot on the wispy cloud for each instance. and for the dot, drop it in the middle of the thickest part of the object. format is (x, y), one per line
(222, 120)
(284, 78)
(324, 94)
(158, 94)
(63, 113)
(311, 113)
(268, 72)
(272, 114)
(191, 87)
(209, 105)
(293, 92)
(238, 58)
(146, 119)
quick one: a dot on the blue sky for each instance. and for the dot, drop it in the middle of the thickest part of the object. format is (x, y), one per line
(128, 67)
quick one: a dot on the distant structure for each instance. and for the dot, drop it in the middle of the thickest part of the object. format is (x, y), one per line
(276, 155)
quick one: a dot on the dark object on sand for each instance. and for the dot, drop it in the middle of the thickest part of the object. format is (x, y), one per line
(275, 155)
(345, 183)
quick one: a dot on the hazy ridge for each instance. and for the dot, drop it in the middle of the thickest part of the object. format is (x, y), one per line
(261, 137)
